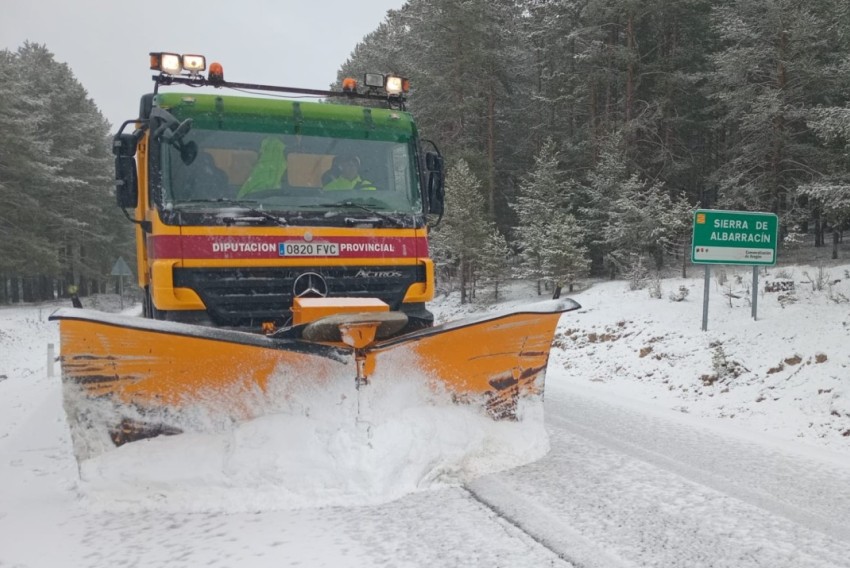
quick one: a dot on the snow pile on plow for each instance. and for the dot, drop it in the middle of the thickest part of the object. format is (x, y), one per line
(314, 447)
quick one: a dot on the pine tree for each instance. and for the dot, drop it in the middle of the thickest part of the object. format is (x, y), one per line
(778, 58)
(648, 223)
(494, 261)
(61, 225)
(27, 169)
(593, 202)
(828, 197)
(456, 243)
(565, 260)
(548, 236)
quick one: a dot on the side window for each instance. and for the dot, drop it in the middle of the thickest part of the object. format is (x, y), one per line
(166, 182)
(400, 167)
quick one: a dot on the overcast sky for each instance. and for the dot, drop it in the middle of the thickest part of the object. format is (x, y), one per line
(106, 42)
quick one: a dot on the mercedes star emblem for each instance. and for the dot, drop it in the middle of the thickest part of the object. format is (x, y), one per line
(310, 285)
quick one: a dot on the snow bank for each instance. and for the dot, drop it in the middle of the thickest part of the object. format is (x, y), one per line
(784, 373)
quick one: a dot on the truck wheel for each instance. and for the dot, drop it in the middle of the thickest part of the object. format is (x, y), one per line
(148, 309)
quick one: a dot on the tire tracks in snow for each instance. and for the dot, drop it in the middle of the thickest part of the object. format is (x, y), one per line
(542, 526)
(760, 475)
(631, 486)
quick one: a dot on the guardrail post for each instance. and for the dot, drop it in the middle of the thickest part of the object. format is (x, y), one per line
(51, 357)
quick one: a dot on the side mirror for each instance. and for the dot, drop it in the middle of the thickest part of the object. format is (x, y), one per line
(126, 177)
(126, 182)
(188, 152)
(436, 191)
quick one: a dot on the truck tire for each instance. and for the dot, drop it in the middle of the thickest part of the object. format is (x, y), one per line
(148, 309)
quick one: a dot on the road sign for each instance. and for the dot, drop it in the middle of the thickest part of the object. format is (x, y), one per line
(121, 268)
(734, 237)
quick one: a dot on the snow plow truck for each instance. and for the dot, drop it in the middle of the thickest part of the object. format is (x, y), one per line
(279, 236)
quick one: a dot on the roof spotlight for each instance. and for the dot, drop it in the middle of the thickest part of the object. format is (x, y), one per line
(396, 85)
(374, 80)
(168, 63)
(194, 64)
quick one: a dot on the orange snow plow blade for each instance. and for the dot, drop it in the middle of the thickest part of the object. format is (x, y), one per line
(127, 378)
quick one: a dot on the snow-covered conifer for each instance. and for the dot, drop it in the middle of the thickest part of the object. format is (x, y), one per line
(457, 242)
(547, 234)
(494, 261)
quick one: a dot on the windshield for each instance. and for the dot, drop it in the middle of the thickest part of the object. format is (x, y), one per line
(288, 173)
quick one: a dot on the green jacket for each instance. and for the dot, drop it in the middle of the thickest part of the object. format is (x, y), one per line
(269, 170)
(356, 183)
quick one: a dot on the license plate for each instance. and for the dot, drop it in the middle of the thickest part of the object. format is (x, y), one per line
(308, 249)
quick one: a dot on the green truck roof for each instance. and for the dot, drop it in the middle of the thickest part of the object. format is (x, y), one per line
(289, 117)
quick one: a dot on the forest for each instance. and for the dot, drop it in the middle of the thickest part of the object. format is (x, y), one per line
(579, 137)
(59, 227)
(592, 129)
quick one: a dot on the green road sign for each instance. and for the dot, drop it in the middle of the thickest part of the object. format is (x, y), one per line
(734, 237)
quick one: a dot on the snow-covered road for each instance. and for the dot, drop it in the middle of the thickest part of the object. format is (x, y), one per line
(623, 485)
(45, 521)
(648, 488)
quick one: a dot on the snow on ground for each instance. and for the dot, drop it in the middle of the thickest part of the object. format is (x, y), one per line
(669, 446)
(786, 372)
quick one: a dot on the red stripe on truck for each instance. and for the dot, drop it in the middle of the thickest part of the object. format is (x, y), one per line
(249, 247)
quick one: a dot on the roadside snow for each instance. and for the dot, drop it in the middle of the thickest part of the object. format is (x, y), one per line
(785, 373)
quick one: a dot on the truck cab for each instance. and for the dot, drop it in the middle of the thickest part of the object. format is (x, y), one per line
(244, 203)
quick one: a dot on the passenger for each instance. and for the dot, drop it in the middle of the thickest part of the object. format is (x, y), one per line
(212, 181)
(347, 168)
(269, 170)
(201, 180)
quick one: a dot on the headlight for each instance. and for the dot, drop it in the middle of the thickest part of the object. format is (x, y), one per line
(168, 63)
(194, 64)
(393, 85)
(396, 85)
(374, 80)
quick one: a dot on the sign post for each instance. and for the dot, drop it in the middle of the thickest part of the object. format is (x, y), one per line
(121, 269)
(734, 237)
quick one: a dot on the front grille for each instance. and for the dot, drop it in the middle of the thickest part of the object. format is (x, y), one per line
(247, 297)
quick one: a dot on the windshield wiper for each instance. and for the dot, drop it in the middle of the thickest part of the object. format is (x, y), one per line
(246, 205)
(394, 221)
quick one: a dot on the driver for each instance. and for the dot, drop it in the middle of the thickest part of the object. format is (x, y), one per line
(346, 168)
